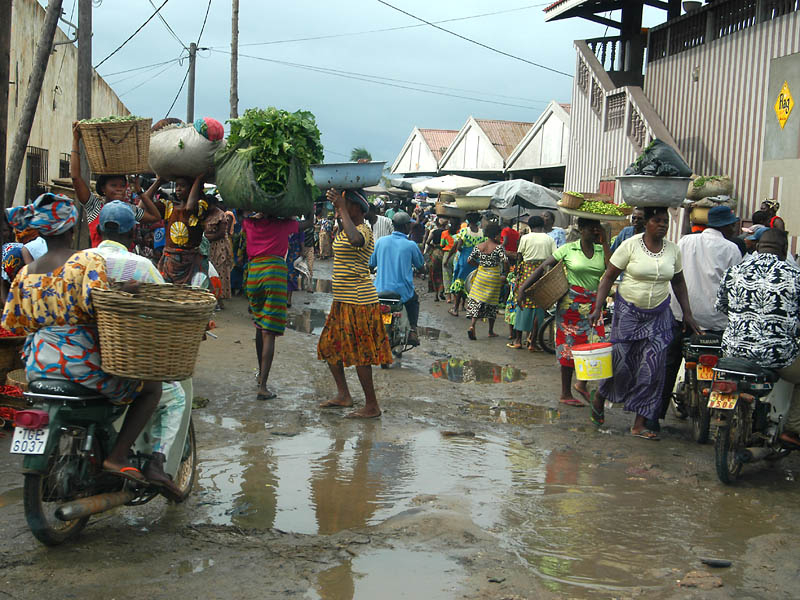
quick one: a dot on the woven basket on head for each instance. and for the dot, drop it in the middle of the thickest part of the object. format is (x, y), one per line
(154, 334)
(570, 200)
(117, 148)
(551, 287)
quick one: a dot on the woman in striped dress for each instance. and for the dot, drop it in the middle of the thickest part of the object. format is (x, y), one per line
(490, 258)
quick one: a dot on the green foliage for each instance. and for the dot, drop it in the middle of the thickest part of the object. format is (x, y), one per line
(602, 208)
(271, 138)
(360, 153)
(701, 181)
(113, 119)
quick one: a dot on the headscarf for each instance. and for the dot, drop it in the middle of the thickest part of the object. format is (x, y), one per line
(357, 197)
(26, 235)
(50, 214)
(771, 204)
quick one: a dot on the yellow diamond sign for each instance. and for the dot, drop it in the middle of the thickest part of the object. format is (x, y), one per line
(784, 104)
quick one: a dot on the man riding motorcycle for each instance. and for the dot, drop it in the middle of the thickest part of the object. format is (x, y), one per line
(396, 257)
(761, 297)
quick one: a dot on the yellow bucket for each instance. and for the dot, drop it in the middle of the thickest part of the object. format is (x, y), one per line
(592, 361)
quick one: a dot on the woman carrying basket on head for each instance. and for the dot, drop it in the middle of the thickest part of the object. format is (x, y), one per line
(585, 261)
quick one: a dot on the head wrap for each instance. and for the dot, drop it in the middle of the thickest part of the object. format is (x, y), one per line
(357, 197)
(772, 204)
(50, 214)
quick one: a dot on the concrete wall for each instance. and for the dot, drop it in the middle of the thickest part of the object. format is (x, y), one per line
(58, 103)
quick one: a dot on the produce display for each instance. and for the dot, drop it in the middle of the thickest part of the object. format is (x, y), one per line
(113, 119)
(605, 208)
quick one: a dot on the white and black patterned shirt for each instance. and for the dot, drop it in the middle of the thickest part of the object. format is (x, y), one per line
(761, 297)
(96, 203)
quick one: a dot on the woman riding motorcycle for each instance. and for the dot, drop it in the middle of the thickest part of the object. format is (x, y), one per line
(51, 301)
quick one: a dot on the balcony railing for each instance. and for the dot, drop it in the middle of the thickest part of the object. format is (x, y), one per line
(712, 22)
(610, 51)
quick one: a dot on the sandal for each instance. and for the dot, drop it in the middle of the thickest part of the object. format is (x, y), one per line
(514, 346)
(130, 473)
(453, 312)
(268, 395)
(646, 434)
(570, 402)
(471, 334)
(598, 418)
(582, 392)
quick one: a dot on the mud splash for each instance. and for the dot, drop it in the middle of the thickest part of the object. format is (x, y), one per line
(460, 370)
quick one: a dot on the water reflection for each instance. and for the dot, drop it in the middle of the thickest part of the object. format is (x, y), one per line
(516, 413)
(460, 370)
(310, 320)
(323, 286)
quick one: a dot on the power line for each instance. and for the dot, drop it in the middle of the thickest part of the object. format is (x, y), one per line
(375, 80)
(471, 41)
(158, 64)
(164, 21)
(150, 18)
(138, 85)
(208, 8)
(180, 89)
(145, 70)
(386, 29)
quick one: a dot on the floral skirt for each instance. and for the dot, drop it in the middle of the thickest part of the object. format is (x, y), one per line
(573, 325)
(355, 336)
(524, 270)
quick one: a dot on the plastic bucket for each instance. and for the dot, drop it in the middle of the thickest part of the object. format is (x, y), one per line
(592, 361)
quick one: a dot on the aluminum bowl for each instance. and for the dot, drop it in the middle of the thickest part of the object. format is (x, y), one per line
(646, 190)
(347, 176)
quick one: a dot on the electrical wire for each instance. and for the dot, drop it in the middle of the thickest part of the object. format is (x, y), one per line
(471, 41)
(118, 48)
(64, 54)
(164, 21)
(145, 70)
(171, 106)
(386, 29)
(158, 64)
(378, 81)
(202, 29)
(149, 79)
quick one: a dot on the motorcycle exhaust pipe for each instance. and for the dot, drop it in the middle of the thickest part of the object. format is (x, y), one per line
(78, 509)
(755, 454)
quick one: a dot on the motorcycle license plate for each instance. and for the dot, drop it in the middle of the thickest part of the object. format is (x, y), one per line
(387, 319)
(29, 441)
(723, 401)
(704, 373)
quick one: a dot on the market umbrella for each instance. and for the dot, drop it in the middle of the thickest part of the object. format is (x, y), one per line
(518, 192)
(405, 183)
(448, 183)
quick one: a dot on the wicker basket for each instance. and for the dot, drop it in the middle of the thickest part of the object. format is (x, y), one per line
(570, 201)
(18, 378)
(10, 358)
(153, 335)
(551, 287)
(625, 209)
(117, 148)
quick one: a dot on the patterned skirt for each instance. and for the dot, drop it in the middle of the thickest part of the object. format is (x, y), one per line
(524, 271)
(355, 336)
(461, 271)
(436, 269)
(266, 292)
(180, 265)
(484, 294)
(573, 325)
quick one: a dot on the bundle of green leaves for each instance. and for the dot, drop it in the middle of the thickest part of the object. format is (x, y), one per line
(113, 119)
(271, 138)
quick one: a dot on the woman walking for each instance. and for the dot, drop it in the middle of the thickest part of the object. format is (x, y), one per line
(434, 250)
(584, 261)
(354, 334)
(643, 323)
(448, 243)
(216, 226)
(466, 240)
(267, 243)
(489, 258)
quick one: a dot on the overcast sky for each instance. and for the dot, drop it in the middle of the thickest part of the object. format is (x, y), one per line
(350, 112)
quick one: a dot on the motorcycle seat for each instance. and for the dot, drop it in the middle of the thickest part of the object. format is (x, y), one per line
(746, 367)
(62, 387)
(388, 296)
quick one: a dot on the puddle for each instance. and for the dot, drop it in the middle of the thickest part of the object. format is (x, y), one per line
(373, 574)
(310, 320)
(475, 371)
(12, 496)
(431, 333)
(516, 413)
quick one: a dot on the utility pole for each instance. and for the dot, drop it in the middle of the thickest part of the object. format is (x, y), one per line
(5, 74)
(234, 59)
(43, 50)
(190, 92)
(84, 100)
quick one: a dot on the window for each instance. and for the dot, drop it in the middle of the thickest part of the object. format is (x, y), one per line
(63, 166)
(597, 98)
(615, 111)
(583, 77)
(35, 172)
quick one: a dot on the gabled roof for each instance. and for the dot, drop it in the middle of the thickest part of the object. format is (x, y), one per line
(439, 140)
(550, 144)
(504, 135)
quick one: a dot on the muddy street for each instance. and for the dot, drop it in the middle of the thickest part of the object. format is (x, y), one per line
(475, 483)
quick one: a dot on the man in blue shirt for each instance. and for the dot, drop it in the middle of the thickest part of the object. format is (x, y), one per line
(636, 227)
(396, 257)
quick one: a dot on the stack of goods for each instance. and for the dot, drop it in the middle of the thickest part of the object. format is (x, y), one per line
(657, 178)
(705, 193)
(116, 145)
(178, 149)
(265, 165)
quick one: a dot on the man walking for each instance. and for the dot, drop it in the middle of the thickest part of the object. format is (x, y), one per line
(381, 226)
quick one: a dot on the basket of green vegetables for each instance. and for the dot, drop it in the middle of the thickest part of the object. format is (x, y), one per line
(117, 145)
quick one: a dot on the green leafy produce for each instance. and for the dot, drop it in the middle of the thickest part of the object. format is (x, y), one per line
(575, 194)
(701, 181)
(271, 139)
(601, 208)
(113, 119)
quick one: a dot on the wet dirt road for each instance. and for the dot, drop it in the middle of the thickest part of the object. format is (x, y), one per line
(474, 484)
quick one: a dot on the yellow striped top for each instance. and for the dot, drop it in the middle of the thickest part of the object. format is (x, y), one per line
(351, 281)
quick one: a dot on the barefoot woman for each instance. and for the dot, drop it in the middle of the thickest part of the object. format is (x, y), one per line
(354, 334)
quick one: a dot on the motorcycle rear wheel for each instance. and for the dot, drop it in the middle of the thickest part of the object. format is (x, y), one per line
(727, 447)
(547, 335)
(187, 469)
(40, 512)
(701, 415)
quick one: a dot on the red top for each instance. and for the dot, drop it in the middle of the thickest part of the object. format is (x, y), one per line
(772, 221)
(510, 239)
(268, 236)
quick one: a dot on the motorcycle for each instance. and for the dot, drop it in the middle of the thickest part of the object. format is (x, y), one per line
(398, 327)
(700, 354)
(748, 406)
(64, 437)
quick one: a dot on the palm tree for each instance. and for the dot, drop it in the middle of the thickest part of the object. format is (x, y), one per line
(361, 153)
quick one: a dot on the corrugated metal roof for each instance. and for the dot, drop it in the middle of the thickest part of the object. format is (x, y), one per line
(553, 5)
(567, 107)
(438, 140)
(504, 135)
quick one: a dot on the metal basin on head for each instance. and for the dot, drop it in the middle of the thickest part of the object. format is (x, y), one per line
(647, 190)
(347, 176)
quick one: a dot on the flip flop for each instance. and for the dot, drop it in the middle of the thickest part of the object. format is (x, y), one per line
(646, 434)
(329, 404)
(598, 418)
(570, 402)
(452, 312)
(355, 415)
(266, 395)
(584, 393)
(130, 473)
(515, 346)
(471, 334)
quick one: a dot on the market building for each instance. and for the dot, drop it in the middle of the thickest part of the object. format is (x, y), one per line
(709, 82)
(50, 141)
(422, 151)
